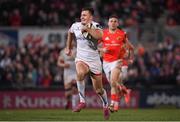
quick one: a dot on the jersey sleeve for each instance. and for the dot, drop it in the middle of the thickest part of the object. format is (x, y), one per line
(71, 29)
(97, 26)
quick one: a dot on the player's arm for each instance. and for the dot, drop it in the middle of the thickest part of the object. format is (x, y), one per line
(100, 48)
(61, 63)
(95, 33)
(70, 38)
(129, 45)
(130, 48)
(103, 50)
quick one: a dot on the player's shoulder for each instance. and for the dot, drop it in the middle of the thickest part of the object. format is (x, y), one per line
(75, 24)
(96, 24)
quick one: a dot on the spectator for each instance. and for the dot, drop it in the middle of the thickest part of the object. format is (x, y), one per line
(54, 12)
(15, 18)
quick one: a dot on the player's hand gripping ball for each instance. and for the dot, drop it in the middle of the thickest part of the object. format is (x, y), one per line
(85, 33)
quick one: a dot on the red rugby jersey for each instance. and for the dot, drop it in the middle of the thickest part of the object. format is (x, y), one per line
(114, 44)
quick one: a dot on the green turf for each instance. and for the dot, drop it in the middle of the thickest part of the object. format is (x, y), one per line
(90, 115)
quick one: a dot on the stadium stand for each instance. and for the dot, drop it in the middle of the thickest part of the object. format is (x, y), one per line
(156, 22)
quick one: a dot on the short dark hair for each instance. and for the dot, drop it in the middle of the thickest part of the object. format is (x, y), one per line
(90, 9)
(113, 16)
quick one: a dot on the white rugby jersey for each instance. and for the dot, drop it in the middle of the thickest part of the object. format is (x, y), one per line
(86, 49)
(70, 61)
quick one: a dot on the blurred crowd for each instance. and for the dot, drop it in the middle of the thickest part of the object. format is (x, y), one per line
(29, 67)
(36, 67)
(63, 12)
(158, 67)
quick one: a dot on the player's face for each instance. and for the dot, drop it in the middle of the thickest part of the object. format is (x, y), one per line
(86, 17)
(113, 23)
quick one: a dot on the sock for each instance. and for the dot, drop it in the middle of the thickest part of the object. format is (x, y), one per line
(116, 103)
(81, 90)
(104, 98)
(113, 98)
(117, 98)
(75, 99)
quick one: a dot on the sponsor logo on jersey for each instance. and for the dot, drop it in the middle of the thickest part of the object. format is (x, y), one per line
(107, 38)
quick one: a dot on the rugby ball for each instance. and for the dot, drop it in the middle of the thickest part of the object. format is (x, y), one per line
(86, 34)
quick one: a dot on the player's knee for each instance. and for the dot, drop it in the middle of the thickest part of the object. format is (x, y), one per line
(80, 76)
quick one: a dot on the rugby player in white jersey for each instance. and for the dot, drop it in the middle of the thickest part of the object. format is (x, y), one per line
(87, 33)
(69, 77)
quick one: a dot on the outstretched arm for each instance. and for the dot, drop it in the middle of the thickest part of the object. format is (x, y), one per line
(130, 49)
(70, 37)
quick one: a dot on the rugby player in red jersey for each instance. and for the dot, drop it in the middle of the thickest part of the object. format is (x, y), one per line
(117, 54)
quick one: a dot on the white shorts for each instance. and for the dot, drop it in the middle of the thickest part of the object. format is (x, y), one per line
(124, 72)
(109, 66)
(69, 76)
(94, 66)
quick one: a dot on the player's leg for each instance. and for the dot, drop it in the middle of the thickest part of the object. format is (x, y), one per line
(82, 69)
(112, 73)
(98, 87)
(114, 79)
(68, 93)
(107, 71)
(125, 91)
(75, 97)
(96, 77)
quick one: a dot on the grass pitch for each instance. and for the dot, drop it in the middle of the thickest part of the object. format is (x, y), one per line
(90, 115)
